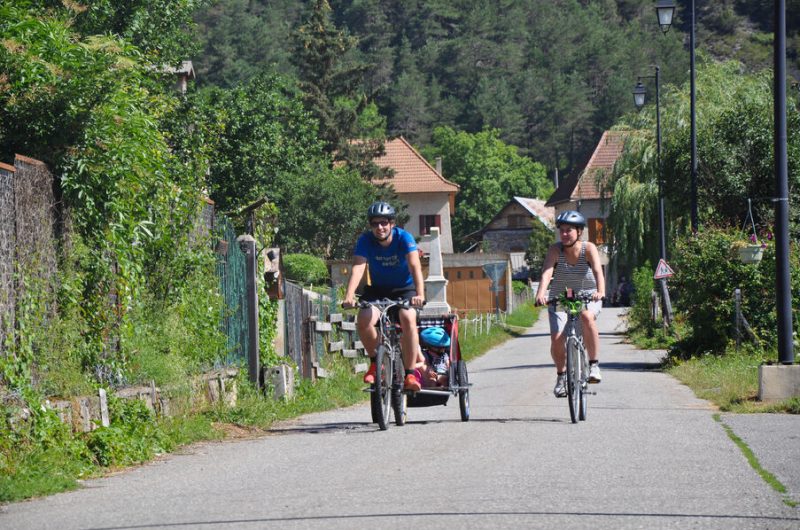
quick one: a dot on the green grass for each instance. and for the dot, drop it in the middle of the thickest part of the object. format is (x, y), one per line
(766, 476)
(730, 381)
(58, 461)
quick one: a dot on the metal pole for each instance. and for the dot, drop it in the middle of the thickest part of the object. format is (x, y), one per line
(662, 249)
(248, 246)
(782, 284)
(693, 126)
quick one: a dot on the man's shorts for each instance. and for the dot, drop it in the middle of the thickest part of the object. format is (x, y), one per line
(558, 319)
(377, 292)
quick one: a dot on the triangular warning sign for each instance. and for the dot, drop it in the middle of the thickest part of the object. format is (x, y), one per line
(662, 270)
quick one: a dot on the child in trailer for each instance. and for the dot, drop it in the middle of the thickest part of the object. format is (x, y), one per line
(433, 359)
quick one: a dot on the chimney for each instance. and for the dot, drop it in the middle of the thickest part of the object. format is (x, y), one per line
(555, 178)
(439, 165)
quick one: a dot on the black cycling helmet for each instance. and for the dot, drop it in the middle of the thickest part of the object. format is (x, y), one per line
(571, 217)
(381, 209)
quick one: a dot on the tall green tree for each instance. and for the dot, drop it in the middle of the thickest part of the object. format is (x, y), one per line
(489, 172)
(331, 80)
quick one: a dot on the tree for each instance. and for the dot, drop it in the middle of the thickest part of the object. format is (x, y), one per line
(330, 80)
(266, 145)
(735, 158)
(489, 173)
(540, 240)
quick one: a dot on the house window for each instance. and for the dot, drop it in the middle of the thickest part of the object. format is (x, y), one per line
(426, 222)
(516, 221)
(597, 230)
(471, 274)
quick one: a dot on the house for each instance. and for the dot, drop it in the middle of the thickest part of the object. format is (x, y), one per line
(510, 230)
(430, 197)
(585, 192)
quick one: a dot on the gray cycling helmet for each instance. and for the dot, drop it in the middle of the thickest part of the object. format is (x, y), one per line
(381, 209)
(571, 217)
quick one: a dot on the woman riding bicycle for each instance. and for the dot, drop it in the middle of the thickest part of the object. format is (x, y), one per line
(394, 271)
(572, 264)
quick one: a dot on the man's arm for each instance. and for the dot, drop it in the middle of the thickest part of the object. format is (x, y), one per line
(356, 273)
(415, 268)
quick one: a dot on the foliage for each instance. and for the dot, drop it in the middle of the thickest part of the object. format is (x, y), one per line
(735, 153)
(305, 269)
(539, 241)
(549, 75)
(329, 76)
(266, 145)
(489, 172)
(707, 272)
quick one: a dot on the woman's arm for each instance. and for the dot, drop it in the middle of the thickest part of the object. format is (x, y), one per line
(547, 273)
(593, 257)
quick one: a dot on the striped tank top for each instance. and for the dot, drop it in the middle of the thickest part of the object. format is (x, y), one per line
(578, 277)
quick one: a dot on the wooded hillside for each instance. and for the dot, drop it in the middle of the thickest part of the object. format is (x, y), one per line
(551, 75)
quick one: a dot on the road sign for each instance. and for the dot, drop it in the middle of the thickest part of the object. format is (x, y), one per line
(663, 270)
(495, 271)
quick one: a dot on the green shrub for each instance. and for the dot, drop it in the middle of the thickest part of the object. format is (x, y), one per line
(707, 273)
(305, 269)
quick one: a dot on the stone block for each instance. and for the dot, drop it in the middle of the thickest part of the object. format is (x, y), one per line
(778, 381)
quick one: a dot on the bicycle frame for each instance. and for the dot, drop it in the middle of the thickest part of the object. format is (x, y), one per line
(388, 386)
(577, 356)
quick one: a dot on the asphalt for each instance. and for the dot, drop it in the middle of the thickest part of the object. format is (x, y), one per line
(774, 439)
(649, 455)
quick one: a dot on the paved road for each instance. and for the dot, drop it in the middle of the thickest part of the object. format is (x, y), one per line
(650, 455)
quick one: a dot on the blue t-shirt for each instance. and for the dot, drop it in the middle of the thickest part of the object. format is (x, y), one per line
(388, 266)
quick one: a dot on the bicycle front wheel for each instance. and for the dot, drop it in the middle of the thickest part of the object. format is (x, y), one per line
(584, 362)
(573, 378)
(381, 388)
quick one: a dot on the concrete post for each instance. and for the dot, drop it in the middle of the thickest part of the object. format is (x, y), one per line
(435, 283)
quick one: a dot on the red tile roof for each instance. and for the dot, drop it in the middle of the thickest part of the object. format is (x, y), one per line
(412, 173)
(587, 185)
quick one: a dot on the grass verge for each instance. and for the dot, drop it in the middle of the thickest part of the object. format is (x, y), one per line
(41, 461)
(730, 381)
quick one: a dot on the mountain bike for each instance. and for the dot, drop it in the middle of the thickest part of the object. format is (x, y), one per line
(387, 390)
(577, 356)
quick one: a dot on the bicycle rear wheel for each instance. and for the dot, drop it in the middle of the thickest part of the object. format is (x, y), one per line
(462, 380)
(399, 399)
(573, 378)
(584, 399)
(381, 389)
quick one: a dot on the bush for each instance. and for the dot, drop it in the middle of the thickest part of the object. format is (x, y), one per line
(707, 273)
(305, 269)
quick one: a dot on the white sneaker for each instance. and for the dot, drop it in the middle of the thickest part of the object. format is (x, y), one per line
(594, 373)
(560, 389)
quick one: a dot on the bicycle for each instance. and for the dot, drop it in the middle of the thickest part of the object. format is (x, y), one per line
(577, 356)
(387, 390)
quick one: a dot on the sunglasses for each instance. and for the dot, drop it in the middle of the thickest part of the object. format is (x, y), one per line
(376, 224)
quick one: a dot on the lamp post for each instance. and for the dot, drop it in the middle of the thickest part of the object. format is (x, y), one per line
(638, 100)
(783, 288)
(665, 9)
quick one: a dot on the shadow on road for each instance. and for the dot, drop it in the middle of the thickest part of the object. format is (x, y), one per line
(459, 515)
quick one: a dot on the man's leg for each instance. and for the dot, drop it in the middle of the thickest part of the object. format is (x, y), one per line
(409, 345)
(365, 322)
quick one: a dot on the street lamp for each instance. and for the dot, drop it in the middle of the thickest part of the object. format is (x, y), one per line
(638, 99)
(665, 9)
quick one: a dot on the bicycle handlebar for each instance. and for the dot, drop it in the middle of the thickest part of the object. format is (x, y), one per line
(384, 304)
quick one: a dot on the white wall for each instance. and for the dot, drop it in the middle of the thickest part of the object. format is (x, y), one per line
(430, 204)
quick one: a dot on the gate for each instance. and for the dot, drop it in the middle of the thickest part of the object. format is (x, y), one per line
(231, 269)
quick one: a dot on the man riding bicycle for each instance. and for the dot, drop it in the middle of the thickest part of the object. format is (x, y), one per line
(390, 257)
(572, 264)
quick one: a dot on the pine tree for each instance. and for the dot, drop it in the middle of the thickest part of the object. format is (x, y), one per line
(331, 81)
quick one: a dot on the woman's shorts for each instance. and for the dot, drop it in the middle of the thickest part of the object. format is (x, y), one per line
(558, 319)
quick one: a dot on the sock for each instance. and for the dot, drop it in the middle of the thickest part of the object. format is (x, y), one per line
(593, 362)
(409, 372)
